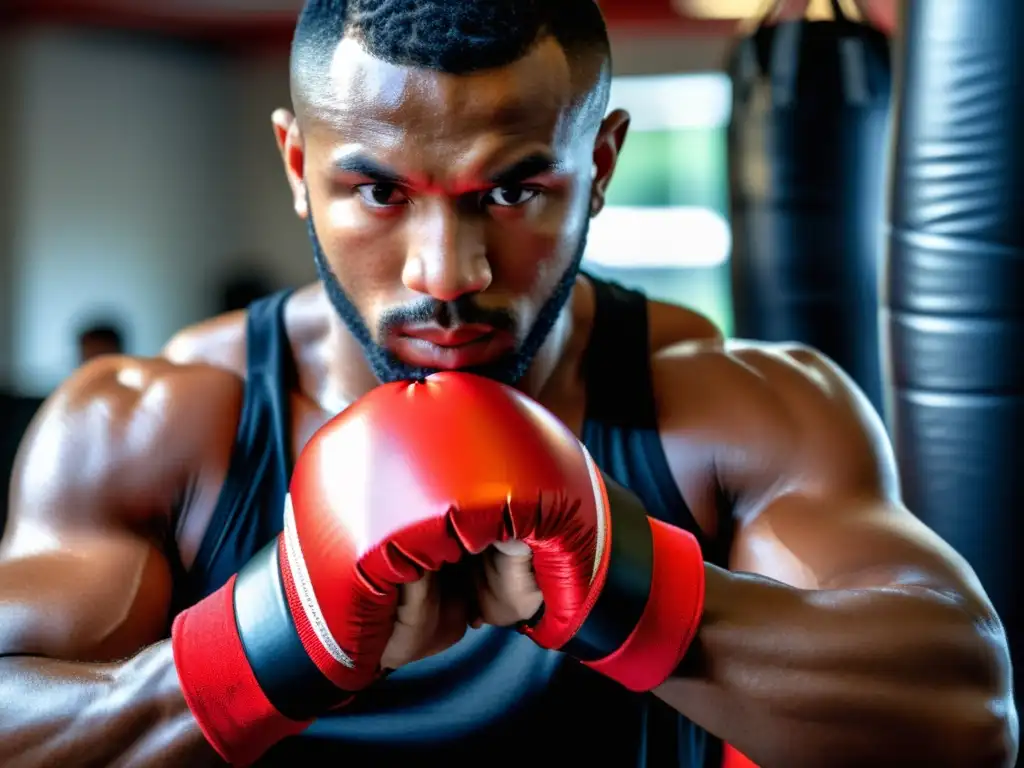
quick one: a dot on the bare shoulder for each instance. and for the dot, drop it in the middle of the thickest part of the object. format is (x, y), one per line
(766, 414)
(118, 445)
(671, 324)
(221, 341)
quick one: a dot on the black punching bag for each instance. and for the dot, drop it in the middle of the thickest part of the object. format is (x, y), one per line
(807, 149)
(955, 285)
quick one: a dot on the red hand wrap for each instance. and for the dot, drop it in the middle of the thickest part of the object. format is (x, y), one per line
(232, 711)
(670, 619)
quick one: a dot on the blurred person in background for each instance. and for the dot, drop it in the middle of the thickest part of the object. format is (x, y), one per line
(242, 289)
(99, 338)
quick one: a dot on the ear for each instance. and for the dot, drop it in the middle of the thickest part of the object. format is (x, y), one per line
(290, 145)
(610, 139)
(282, 120)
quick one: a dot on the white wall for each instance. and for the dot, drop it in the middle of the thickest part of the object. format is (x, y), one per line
(266, 229)
(140, 172)
(120, 205)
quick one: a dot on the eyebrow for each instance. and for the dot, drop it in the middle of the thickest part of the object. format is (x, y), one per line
(521, 170)
(364, 166)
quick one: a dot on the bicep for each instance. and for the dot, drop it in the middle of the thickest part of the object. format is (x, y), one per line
(832, 517)
(849, 542)
(82, 571)
(87, 597)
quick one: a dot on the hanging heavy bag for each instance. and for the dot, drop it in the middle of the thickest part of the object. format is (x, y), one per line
(807, 158)
(955, 285)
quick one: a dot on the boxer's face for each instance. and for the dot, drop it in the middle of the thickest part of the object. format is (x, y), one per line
(448, 214)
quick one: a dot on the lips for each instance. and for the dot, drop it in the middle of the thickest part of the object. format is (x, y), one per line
(450, 349)
(456, 337)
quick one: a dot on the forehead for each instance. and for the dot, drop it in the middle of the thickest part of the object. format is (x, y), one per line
(383, 106)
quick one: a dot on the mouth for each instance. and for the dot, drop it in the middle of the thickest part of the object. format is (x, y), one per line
(467, 346)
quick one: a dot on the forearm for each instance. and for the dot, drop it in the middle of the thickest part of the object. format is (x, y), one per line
(860, 677)
(73, 714)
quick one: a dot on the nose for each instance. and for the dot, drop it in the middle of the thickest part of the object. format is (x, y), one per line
(447, 256)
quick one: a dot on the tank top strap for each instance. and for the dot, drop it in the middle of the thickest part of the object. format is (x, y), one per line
(270, 370)
(617, 362)
(248, 510)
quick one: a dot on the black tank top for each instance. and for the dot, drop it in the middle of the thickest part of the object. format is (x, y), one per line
(494, 696)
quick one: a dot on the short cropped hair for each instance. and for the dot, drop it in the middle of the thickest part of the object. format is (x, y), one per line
(451, 36)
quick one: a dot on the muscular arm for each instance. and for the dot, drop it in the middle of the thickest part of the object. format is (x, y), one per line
(864, 639)
(86, 677)
(80, 714)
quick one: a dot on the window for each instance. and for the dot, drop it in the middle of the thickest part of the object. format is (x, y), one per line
(666, 227)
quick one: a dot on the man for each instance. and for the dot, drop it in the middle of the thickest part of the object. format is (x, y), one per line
(99, 339)
(447, 156)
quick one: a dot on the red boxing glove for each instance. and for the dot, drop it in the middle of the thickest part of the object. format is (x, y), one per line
(303, 626)
(411, 477)
(622, 592)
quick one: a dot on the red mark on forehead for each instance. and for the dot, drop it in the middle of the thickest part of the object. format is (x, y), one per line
(517, 172)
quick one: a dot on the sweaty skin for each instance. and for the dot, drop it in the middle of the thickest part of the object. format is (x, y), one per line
(846, 633)
(863, 640)
(123, 464)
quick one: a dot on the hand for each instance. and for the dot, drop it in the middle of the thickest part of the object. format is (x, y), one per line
(620, 591)
(429, 620)
(415, 476)
(507, 593)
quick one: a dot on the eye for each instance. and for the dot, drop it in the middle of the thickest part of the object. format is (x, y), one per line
(380, 195)
(510, 196)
